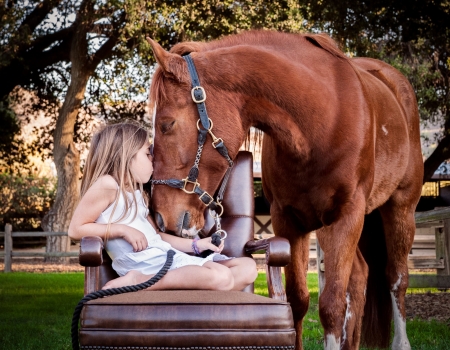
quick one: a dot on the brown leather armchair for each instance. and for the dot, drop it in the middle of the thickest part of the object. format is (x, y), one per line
(194, 319)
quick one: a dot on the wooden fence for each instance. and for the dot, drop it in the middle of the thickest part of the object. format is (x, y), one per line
(437, 220)
(8, 253)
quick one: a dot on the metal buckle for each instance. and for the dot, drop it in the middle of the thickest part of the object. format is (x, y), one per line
(215, 140)
(186, 181)
(193, 95)
(209, 196)
(217, 215)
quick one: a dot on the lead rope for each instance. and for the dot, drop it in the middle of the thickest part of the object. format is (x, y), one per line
(114, 291)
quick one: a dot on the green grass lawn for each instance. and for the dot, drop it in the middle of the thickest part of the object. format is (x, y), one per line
(36, 313)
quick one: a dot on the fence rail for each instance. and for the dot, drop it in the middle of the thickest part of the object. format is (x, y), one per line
(8, 253)
(437, 220)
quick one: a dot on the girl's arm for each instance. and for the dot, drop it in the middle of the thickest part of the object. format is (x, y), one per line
(184, 244)
(97, 198)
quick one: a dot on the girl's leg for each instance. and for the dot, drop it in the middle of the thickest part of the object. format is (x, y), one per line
(210, 276)
(244, 271)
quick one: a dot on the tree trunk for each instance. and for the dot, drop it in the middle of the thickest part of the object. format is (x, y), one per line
(65, 154)
(67, 161)
(439, 155)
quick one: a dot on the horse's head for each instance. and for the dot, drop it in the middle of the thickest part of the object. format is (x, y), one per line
(175, 123)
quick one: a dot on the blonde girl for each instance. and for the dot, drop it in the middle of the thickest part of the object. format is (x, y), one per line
(113, 206)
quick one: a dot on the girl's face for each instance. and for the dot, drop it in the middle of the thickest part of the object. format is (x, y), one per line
(141, 164)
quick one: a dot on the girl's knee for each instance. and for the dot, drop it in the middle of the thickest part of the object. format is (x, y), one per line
(251, 270)
(247, 269)
(223, 280)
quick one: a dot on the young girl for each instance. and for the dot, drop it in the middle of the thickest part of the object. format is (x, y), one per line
(113, 206)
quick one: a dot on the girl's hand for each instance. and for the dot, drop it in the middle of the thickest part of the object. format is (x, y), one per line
(205, 244)
(135, 237)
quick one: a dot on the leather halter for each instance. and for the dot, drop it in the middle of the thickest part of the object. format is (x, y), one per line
(190, 184)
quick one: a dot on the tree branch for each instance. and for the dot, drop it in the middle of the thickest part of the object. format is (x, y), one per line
(38, 14)
(107, 47)
(45, 41)
(60, 52)
(101, 28)
(102, 52)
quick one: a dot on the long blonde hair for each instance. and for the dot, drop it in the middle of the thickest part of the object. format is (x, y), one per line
(113, 147)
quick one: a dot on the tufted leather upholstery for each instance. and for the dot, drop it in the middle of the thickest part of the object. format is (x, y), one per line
(163, 320)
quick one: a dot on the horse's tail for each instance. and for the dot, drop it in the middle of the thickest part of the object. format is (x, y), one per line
(376, 325)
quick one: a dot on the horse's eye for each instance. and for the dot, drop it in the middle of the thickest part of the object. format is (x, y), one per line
(151, 150)
(166, 127)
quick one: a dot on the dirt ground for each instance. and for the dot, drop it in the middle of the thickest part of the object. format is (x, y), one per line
(429, 306)
(426, 306)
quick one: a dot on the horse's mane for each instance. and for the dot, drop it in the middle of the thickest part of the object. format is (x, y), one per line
(325, 42)
(258, 37)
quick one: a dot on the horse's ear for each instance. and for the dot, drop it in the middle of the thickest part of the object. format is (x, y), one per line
(173, 65)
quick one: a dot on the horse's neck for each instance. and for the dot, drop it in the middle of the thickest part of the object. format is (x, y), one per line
(280, 96)
(277, 123)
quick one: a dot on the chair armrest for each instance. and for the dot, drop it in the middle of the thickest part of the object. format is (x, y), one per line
(91, 251)
(278, 250)
(278, 253)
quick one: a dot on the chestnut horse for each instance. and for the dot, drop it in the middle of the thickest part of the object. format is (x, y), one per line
(341, 155)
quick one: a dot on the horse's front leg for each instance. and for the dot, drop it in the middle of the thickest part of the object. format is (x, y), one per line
(285, 225)
(339, 243)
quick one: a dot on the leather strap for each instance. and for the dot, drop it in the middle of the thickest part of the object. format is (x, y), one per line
(198, 92)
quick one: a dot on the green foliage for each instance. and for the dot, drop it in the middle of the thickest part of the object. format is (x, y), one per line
(358, 23)
(413, 61)
(37, 38)
(206, 20)
(24, 200)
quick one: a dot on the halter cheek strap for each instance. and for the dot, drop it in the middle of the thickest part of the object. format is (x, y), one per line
(204, 125)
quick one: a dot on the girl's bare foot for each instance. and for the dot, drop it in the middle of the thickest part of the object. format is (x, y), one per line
(131, 278)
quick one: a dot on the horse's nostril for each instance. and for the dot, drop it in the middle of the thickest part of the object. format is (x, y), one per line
(160, 222)
(186, 220)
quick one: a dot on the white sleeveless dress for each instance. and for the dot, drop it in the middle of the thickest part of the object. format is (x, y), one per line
(150, 260)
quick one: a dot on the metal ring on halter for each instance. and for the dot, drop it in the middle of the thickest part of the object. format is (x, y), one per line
(222, 234)
(210, 124)
(217, 215)
(193, 94)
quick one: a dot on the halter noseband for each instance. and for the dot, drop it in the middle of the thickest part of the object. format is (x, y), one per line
(199, 97)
